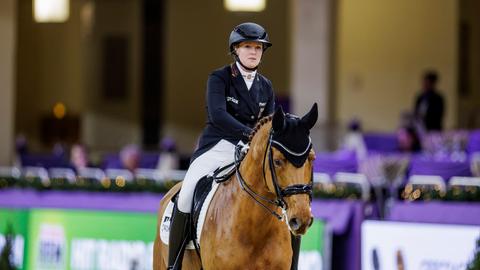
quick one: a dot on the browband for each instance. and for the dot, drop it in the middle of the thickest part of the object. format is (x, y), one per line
(292, 152)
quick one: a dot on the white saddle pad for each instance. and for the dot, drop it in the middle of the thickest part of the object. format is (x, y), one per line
(167, 217)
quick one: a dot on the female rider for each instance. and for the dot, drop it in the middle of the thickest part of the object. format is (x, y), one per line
(237, 97)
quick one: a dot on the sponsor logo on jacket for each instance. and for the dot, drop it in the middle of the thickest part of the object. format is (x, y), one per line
(232, 99)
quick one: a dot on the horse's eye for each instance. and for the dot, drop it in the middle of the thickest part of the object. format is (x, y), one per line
(278, 162)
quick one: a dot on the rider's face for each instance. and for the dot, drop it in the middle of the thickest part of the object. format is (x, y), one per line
(250, 53)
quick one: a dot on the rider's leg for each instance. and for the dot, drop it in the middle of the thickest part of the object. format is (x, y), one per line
(221, 154)
(179, 228)
(296, 251)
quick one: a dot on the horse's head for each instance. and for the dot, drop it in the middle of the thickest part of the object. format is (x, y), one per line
(287, 156)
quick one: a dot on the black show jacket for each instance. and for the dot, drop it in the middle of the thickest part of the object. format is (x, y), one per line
(232, 109)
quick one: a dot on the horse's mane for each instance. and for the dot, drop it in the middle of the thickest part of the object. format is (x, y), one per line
(257, 147)
(259, 124)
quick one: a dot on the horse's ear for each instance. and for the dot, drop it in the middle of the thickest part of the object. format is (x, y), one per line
(278, 119)
(310, 118)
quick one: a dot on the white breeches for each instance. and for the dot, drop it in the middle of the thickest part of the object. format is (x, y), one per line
(219, 155)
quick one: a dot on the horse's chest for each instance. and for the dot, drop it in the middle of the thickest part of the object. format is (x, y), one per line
(263, 260)
(244, 253)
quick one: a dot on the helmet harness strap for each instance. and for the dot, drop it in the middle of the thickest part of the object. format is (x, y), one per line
(240, 62)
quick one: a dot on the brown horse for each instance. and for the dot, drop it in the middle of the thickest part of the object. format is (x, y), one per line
(251, 217)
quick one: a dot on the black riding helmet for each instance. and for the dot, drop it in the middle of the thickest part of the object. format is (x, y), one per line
(248, 32)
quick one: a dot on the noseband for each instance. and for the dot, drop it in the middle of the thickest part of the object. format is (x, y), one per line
(280, 193)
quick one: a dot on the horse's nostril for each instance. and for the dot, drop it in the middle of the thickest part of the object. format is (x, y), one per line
(294, 224)
(311, 222)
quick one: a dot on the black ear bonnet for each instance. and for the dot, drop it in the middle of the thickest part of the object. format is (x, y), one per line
(291, 135)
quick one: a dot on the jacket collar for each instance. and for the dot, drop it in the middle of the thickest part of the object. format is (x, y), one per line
(239, 84)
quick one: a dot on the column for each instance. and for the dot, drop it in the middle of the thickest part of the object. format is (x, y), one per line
(7, 76)
(312, 28)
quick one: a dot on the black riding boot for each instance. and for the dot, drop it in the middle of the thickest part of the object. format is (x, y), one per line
(179, 228)
(296, 251)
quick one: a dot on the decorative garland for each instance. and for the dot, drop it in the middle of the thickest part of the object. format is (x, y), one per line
(456, 193)
(331, 191)
(325, 191)
(336, 191)
(118, 184)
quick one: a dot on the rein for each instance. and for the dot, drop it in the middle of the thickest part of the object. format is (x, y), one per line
(279, 192)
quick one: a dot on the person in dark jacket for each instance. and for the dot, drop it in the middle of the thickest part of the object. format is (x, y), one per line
(237, 97)
(429, 105)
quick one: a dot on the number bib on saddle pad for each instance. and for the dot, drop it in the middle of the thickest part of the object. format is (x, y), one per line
(203, 195)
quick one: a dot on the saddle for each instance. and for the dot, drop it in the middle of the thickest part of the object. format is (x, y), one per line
(204, 191)
(203, 188)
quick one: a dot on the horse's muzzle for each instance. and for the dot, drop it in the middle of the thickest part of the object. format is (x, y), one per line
(299, 226)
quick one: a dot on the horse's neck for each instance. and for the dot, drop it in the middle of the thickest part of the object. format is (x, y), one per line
(253, 215)
(252, 165)
(254, 177)
(251, 219)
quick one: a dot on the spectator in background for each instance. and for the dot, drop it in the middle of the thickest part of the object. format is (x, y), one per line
(59, 150)
(408, 139)
(353, 140)
(130, 157)
(21, 144)
(168, 159)
(21, 149)
(79, 157)
(429, 104)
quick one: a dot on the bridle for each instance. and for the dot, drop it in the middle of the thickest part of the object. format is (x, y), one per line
(280, 193)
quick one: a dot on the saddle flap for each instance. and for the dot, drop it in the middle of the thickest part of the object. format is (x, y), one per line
(164, 228)
(204, 186)
(203, 195)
